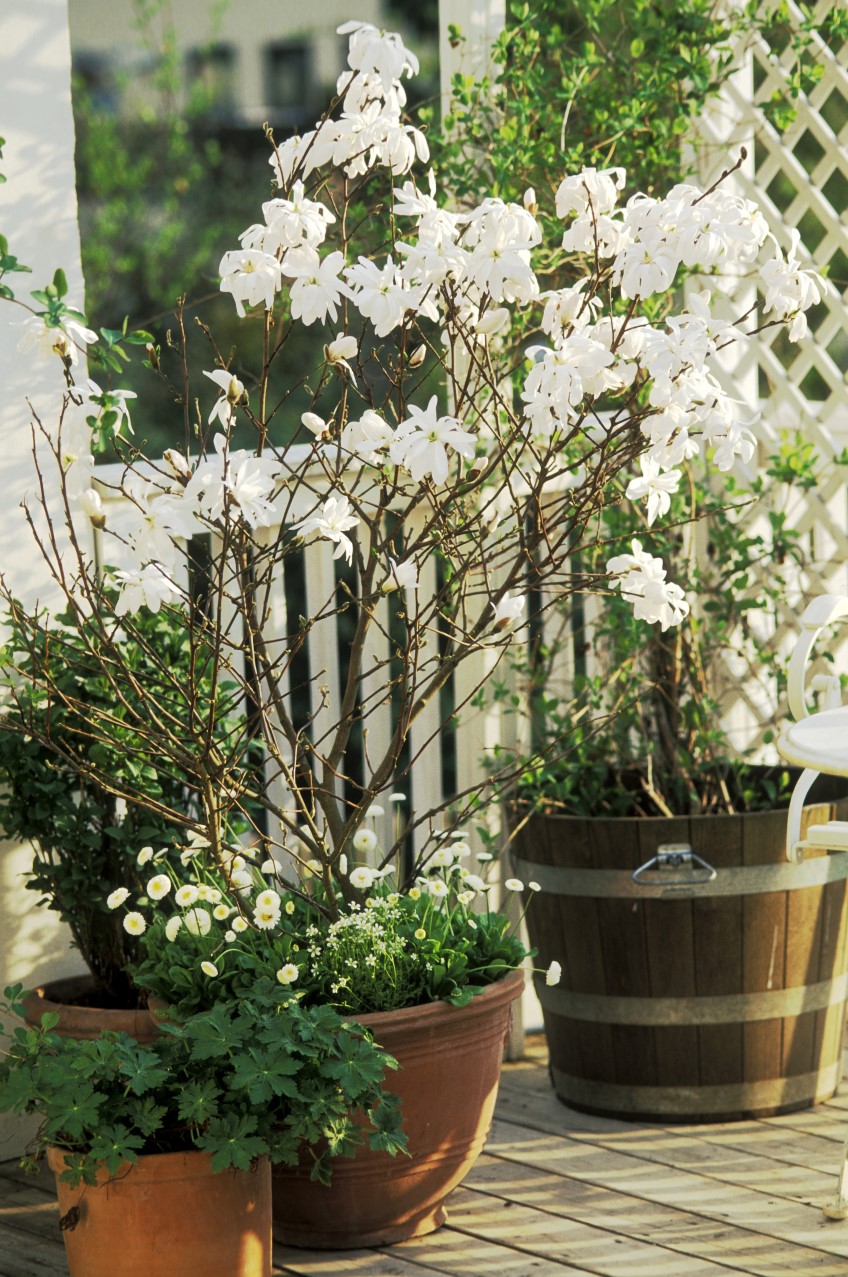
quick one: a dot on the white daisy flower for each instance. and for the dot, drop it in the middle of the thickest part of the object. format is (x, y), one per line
(116, 897)
(209, 968)
(186, 895)
(172, 926)
(134, 924)
(287, 974)
(159, 886)
(197, 922)
(144, 856)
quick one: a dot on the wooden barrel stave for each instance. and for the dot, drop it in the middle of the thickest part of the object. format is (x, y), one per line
(690, 949)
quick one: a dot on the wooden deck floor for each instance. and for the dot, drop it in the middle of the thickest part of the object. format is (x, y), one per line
(559, 1193)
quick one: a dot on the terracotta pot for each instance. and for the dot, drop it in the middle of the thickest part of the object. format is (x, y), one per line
(450, 1061)
(77, 1021)
(169, 1215)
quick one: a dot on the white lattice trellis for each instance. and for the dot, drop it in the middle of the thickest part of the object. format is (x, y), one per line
(799, 178)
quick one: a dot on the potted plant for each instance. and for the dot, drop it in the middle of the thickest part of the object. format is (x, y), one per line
(430, 977)
(162, 1150)
(433, 517)
(86, 839)
(627, 750)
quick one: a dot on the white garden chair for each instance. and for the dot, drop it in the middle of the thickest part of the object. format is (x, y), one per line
(818, 743)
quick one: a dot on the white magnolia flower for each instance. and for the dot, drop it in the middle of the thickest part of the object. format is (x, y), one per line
(641, 578)
(332, 522)
(379, 294)
(117, 897)
(382, 53)
(149, 587)
(654, 486)
(365, 841)
(553, 974)
(198, 922)
(65, 340)
(317, 290)
(209, 968)
(135, 924)
(172, 926)
(422, 439)
(287, 974)
(367, 436)
(592, 190)
(251, 277)
(233, 392)
(158, 886)
(402, 576)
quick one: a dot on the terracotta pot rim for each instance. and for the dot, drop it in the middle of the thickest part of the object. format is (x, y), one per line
(195, 1161)
(504, 990)
(47, 992)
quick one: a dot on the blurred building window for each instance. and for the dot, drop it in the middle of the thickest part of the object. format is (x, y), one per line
(211, 78)
(287, 78)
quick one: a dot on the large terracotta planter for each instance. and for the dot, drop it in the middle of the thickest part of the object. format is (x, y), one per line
(450, 1061)
(169, 1215)
(84, 1021)
(683, 999)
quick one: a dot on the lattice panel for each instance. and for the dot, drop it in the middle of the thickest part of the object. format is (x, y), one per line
(800, 180)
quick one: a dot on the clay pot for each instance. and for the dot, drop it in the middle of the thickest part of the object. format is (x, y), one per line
(169, 1215)
(84, 1021)
(450, 1061)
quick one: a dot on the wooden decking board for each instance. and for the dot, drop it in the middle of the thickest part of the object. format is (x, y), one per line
(566, 1194)
(599, 1252)
(740, 1250)
(752, 1156)
(650, 1173)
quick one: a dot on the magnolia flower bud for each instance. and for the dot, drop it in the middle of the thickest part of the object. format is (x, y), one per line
(177, 463)
(492, 322)
(313, 422)
(530, 201)
(401, 575)
(418, 356)
(236, 392)
(344, 347)
(508, 610)
(93, 506)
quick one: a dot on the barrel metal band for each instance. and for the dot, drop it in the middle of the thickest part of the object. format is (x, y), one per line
(737, 880)
(731, 1008)
(686, 1101)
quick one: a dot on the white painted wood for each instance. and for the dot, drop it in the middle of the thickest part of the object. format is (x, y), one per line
(325, 679)
(425, 734)
(38, 216)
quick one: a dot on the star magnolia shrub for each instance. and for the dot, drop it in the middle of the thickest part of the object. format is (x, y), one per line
(426, 437)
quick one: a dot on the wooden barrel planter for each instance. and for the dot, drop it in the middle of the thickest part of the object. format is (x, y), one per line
(689, 1001)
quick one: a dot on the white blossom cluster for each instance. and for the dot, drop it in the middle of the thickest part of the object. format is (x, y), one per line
(463, 271)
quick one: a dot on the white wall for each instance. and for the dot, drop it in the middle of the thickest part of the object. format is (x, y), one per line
(38, 217)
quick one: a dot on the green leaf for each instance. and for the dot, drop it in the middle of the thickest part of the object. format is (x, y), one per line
(60, 283)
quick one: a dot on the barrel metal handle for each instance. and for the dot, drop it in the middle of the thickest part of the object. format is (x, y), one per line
(670, 860)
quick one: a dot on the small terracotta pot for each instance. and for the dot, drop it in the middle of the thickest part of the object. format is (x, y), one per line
(450, 1061)
(85, 1021)
(169, 1215)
